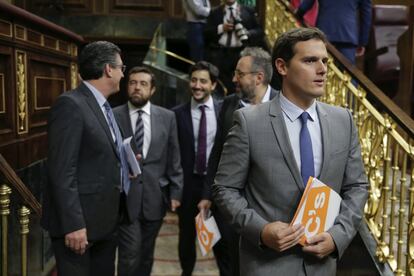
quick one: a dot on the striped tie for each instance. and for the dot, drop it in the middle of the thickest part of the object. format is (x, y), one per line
(119, 145)
(139, 132)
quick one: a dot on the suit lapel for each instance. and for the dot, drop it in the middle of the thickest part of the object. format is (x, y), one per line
(97, 111)
(156, 123)
(324, 123)
(125, 121)
(188, 121)
(280, 131)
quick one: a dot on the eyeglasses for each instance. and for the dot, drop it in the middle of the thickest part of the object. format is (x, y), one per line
(239, 74)
(120, 66)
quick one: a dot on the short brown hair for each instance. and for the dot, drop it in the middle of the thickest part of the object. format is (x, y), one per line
(142, 69)
(285, 44)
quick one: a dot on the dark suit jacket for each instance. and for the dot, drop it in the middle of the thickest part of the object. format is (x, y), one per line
(225, 122)
(186, 139)
(161, 170)
(346, 21)
(84, 168)
(248, 18)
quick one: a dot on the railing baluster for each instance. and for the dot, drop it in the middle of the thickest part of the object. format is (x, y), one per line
(24, 213)
(401, 215)
(5, 192)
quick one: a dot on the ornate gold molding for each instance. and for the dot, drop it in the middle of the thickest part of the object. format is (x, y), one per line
(73, 75)
(2, 95)
(21, 86)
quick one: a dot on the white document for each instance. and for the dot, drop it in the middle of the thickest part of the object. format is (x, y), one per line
(131, 158)
(317, 209)
(208, 233)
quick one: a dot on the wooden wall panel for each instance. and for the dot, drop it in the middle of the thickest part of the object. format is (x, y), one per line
(6, 100)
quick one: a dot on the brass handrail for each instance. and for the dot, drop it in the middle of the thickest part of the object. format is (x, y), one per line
(386, 134)
(24, 193)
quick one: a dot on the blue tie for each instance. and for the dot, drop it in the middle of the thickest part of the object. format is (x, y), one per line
(124, 165)
(307, 167)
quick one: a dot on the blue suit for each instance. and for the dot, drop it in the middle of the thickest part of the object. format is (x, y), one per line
(346, 23)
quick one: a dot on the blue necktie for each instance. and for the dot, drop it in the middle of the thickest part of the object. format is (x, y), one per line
(307, 167)
(124, 164)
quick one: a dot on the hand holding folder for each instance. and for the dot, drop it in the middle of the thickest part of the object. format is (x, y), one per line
(317, 210)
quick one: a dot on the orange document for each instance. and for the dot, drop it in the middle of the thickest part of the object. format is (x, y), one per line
(318, 208)
(208, 233)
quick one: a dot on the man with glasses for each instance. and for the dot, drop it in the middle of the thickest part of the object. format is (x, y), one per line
(251, 78)
(159, 186)
(88, 172)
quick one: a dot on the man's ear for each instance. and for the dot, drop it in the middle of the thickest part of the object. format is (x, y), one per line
(214, 84)
(108, 70)
(153, 90)
(281, 66)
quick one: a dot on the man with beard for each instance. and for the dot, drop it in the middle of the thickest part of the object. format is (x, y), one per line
(251, 78)
(197, 124)
(154, 132)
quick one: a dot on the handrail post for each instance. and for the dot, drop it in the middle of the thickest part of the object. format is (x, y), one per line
(5, 192)
(24, 213)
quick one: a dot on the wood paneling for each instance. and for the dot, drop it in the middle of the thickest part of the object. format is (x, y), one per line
(36, 60)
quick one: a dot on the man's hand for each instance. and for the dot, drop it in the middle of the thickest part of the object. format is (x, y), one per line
(175, 204)
(320, 245)
(204, 204)
(77, 241)
(281, 236)
(360, 51)
(228, 27)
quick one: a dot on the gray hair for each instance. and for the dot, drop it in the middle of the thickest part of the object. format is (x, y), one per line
(261, 61)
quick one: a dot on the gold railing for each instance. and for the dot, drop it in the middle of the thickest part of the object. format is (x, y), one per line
(22, 214)
(386, 134)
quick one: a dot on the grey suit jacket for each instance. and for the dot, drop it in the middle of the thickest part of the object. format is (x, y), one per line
(258, 181)
(162, 175)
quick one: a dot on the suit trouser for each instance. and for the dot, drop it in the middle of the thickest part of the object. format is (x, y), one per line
(99, 258)
(136, 247)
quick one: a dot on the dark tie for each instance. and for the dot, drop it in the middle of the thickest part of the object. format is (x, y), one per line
(202, 143)
(230, 34)
(139, 132)
(119, 145)
(307, 167)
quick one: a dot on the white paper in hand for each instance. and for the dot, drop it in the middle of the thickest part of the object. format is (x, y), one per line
(131, 158)
(207, 232)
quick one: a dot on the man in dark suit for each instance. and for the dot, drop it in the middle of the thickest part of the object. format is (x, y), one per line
(87, 168)
(346, 23)
(230, 27)
(154, 132)
(270, 153)
(197, 124)
(251, 77)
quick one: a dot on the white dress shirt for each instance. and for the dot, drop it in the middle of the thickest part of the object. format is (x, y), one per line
(211, 123)
(291, 114)
(235, 41)
(146, 119)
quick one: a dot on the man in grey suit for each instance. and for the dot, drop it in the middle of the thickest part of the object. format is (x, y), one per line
(154, 132)
(251, 77)
(271, 151)
(87, 169)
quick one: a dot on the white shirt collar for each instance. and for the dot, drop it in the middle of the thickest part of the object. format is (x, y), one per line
(98, 95)
(146, 108)
(209, 103)
(293, 112)
(265, 98)
(234, 6)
